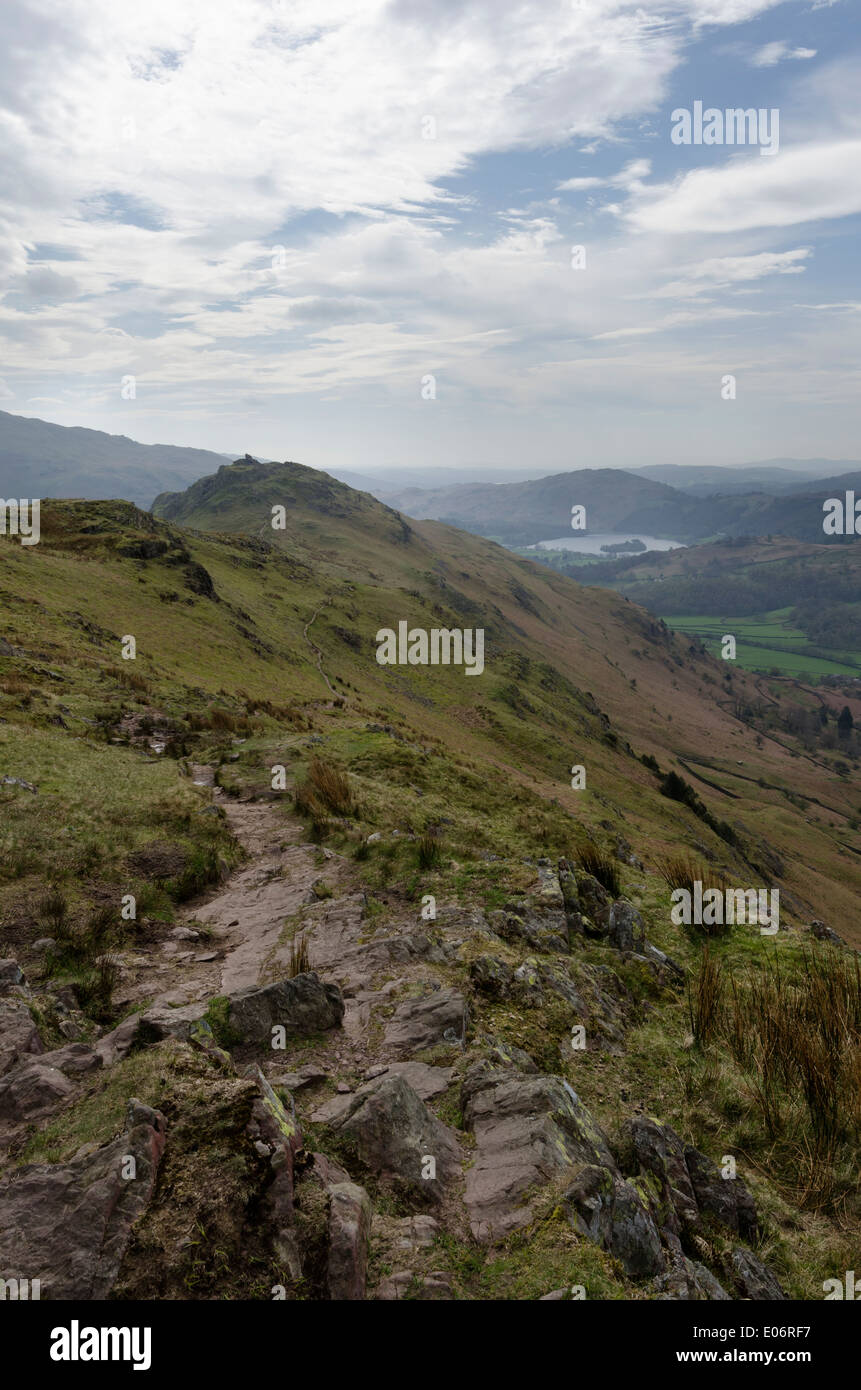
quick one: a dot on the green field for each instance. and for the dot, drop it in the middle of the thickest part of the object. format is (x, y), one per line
(767, 642)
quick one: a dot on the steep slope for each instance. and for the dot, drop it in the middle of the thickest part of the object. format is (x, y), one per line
(471, 961)
(38, 459)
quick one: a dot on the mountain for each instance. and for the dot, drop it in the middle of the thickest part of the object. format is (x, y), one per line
(617, 501)
(38, 459)
(773, 476)
(381, 999)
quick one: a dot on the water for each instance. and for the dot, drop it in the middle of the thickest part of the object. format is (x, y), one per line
(590, 543)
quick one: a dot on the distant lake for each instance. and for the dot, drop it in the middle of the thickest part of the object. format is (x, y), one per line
(591, 544)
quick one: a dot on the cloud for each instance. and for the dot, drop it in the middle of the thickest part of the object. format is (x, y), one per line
(804, 184)
(773, 53)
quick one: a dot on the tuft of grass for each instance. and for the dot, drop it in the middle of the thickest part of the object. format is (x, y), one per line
(299, 962)
(429, 850)
(602, 866)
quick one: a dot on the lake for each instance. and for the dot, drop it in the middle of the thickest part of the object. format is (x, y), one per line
(590, 544)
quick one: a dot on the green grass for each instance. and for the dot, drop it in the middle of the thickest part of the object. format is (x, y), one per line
(765, 643)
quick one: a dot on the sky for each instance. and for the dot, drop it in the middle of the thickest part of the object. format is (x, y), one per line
(428, 232)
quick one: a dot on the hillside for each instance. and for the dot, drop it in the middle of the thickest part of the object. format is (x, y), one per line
(390, 864)
(742, 586)
(38, 459)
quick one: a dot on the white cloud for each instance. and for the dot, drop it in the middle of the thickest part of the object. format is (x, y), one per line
(773, 53)
(802, 184)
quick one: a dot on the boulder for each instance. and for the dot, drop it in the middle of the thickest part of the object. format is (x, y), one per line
(595, 905)
(32, 1091)
(528, 1128)
(10, 974)
(625, 928)
(393, 1132)
(688, 1280)
(726, 1199)
(19, 1036)
(491, 976)
(303, 1005)
(660, 1151)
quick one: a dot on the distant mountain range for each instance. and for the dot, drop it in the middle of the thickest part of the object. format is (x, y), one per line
(38, 459)
(622, 502)
(675, 501)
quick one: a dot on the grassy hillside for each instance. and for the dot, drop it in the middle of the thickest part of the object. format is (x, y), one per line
(743, 586)
(256, 648)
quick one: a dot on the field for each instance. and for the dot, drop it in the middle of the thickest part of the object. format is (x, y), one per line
(766, 642)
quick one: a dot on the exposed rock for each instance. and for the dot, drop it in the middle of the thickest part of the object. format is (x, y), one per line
(727, 1199)
(608, 1210)
(10, 974)
(74, 1059)
(349, 1235)
(424, 1288)
(68, 1224)
(393, 1131)
(755, 1280)
(491, 976)
(303, 1005)
(528, 1128)
(595, 905)
(688, 1280)
(19, 1036)
(625, 929)
(32, 1091)
(422, 1023)
(823, 933)
(660, 1151)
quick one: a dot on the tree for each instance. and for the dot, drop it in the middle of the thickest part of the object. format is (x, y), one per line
(845, 722)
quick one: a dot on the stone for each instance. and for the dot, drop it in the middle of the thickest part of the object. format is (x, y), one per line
(32, 1091)
(690, 1281)
(349, 1240)
(303, 1005)
(608, 1210)
(755, 1279)
(726, 1199)
(10, 974)
(19, 1036)
(68, 1224)
(595, 905)
(625, 928)
(660, 1151)
(528, 1128)
(419, 1024)
(393, 1131)
(491, 976)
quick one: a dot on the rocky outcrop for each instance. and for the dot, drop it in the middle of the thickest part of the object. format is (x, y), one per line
(608, 1210)
(394, 1134)
(68, 1224)
(528, 1128)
